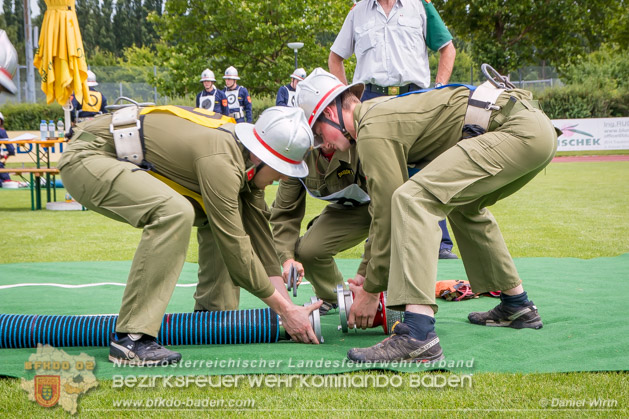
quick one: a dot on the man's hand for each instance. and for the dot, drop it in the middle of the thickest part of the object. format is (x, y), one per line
(358, 280)
(296, 321)
(286, 270)
(364, 307)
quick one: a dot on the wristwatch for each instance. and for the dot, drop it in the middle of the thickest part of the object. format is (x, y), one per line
(438, 85)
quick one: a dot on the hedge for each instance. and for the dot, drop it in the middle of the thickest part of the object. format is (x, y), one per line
(580, 101)
(567, 102)
(27, 116)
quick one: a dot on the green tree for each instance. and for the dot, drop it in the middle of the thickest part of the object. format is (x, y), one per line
(14, 20)
(510, 34)
(250, 35)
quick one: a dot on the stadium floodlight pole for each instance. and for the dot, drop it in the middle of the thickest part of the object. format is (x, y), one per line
(295, 46)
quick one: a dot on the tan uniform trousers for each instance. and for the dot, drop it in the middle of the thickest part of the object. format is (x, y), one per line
(334, 230)
(110, 187)
(460, 183)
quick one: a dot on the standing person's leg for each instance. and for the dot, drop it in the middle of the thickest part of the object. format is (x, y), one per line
(335, 230)
(445, 246)
(118, 191)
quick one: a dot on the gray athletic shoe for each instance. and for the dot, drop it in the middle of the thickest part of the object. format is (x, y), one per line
(400, 346)
(447, 254)
(142, 352)
(525, 316)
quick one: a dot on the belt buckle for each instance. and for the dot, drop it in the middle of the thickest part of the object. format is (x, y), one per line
(393, 90)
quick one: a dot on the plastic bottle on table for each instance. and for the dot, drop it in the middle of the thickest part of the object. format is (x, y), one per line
(51, 129)
(43, 130)
(61, 128)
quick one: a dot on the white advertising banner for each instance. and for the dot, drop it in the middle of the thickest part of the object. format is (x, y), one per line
(593, 134)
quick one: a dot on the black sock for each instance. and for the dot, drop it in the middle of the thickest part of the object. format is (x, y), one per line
(420, 324)
(514, 300)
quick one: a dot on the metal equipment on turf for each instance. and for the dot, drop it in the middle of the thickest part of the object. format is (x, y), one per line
(293, 278)
(385, 318)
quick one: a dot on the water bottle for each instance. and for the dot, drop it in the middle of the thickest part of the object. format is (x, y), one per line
(61, 128)
(43, 130)
(51, 129)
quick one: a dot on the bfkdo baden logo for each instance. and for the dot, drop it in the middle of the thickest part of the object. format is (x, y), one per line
(59, 378)
(47, 389)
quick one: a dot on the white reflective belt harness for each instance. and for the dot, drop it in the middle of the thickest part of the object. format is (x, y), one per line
(125, 127)
(480, 105)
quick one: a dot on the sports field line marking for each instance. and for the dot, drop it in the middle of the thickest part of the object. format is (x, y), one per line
(96, 284)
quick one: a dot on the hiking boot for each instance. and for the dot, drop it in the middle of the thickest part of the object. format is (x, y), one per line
(144, 351)
(326, 307)
(525, 316)
(447, 254)
(400, 346)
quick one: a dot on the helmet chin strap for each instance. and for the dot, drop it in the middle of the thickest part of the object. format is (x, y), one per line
(341, 125)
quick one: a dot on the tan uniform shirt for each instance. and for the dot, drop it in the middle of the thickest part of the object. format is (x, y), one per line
(324, 178)
(212, 163)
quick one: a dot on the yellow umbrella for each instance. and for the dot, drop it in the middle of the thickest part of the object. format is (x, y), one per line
(60, 58)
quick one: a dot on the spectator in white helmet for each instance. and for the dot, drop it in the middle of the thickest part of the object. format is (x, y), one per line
(238, 99)
(210, 97)
(91, 106)
(286, 93)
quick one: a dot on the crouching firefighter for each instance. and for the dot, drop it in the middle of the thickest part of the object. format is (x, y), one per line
(164, 169)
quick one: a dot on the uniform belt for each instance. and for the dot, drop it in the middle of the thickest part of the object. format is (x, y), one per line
(237, 115)
(391, 90)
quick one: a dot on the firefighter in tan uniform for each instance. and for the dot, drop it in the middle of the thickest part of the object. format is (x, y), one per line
(471, 156)
(334, 177)
(193, 167)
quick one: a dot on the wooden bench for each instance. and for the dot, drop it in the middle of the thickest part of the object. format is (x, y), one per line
(37, 172)
(35, 185)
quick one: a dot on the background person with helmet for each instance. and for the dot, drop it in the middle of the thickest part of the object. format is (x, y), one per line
(398, 62)
(96, 102)
(8, 66)
(212, 174)
(210, 97)
(4, 155)
(286, 93)
(463, 175)
(238, 99)
(334, 177)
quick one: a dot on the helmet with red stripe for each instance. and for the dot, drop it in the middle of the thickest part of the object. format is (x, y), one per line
(318, 90)
(281, 138)
(8, 64)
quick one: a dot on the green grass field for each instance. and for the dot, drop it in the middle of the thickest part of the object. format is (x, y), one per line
(570, 210)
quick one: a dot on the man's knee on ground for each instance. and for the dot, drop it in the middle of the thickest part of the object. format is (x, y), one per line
(309, 252)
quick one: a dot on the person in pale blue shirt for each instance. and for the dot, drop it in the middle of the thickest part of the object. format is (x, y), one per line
(399, 65)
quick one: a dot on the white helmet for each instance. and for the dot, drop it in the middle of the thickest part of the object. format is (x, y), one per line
(8, 64)
(1, 117)
(299, 74)
(281, 138)
(207, 75)
(231, 73)
(318, 90)
(91, 79)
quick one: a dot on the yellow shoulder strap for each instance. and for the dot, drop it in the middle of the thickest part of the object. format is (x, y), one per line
(197, 115)
(180, 189)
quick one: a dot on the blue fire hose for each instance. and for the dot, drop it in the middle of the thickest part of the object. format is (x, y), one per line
(199, 328)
